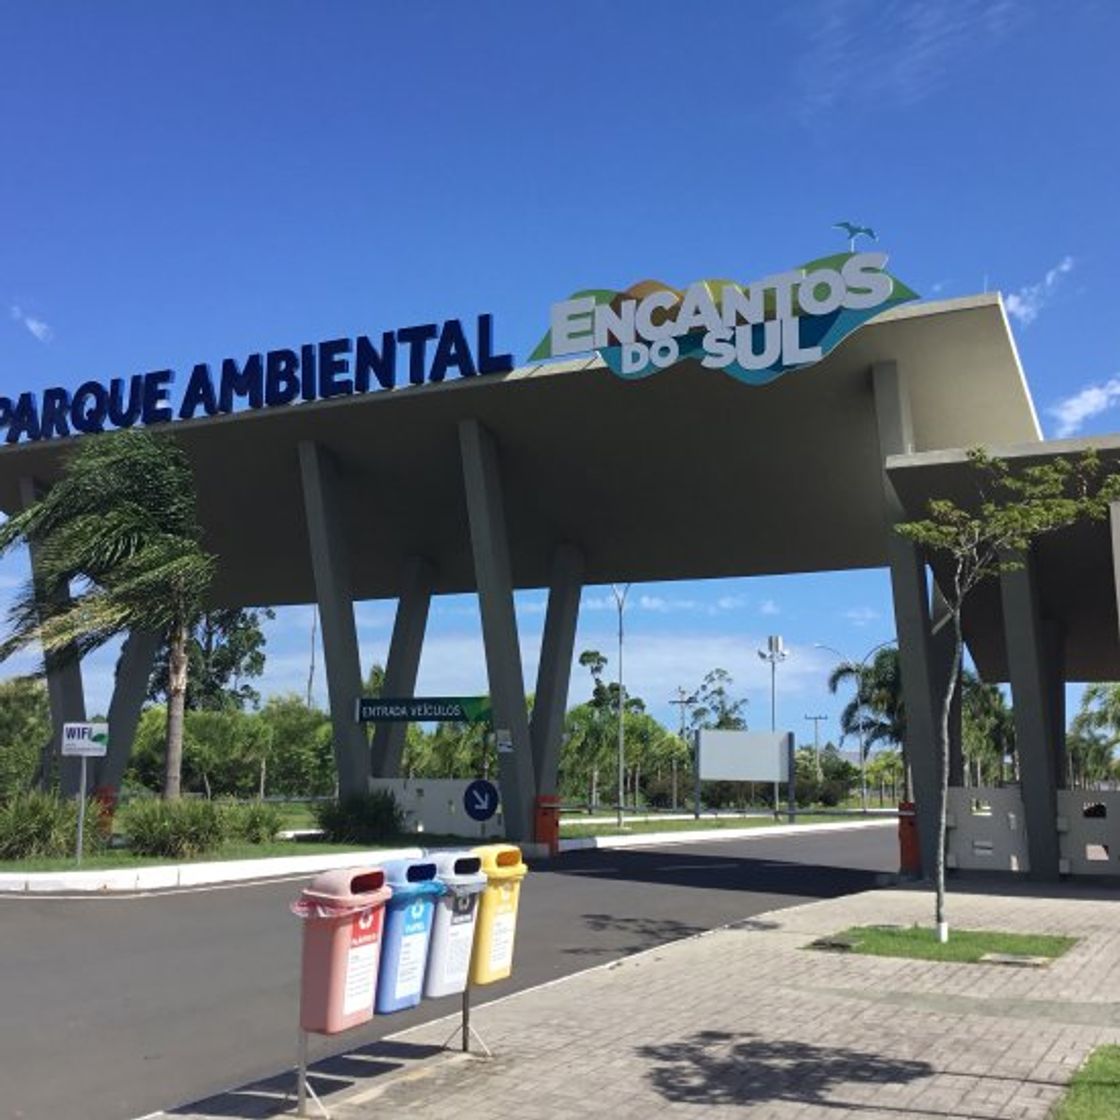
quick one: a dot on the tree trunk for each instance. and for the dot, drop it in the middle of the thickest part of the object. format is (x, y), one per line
(264, 765)
(594, 787)
(176, 702)
(943, 782)
(206, 786)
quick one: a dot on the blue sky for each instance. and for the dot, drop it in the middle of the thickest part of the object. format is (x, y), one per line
(182, 182)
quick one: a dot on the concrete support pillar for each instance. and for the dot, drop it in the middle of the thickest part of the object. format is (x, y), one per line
(64, 678)
(490, 546)
(130, 690)
(921, 680)
(1037, 692)
(555, 668)
(336, 614)
(402, 664)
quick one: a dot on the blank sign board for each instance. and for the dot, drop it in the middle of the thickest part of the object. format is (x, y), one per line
(745, 756)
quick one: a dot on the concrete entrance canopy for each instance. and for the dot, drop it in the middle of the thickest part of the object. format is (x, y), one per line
(687, 474)
(561, 475)
(1074, 569)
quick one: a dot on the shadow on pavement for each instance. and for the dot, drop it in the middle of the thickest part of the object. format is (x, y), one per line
(722, 872)
(719, 1068)
(340, 1073)
(641, 933)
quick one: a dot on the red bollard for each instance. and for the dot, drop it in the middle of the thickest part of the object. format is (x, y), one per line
(546, 823)
(909, 846)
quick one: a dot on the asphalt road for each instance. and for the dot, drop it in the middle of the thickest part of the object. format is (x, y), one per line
(111, 1008)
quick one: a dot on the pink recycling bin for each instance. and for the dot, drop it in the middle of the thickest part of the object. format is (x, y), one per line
(342, 913)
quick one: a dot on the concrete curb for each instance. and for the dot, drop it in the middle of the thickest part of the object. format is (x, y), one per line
(705, 835)
(169, 877)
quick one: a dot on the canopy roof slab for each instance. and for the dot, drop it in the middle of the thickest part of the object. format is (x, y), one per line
(1075, 573)
(687, 474)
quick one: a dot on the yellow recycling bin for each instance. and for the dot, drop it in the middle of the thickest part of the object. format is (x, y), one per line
(497, 912)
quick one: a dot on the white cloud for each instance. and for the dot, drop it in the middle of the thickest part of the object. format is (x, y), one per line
(769, 607)
(861, 616)
(1025, 305)
(1072, 412)
(731, 602)
(916, 48)
(37, 327)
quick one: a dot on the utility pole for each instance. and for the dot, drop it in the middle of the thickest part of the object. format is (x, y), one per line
(620, 600)
(682, 701)
(817, 744)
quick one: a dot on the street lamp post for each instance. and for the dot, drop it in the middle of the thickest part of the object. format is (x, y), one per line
(620, 600)
(774, 652)
(862, 666)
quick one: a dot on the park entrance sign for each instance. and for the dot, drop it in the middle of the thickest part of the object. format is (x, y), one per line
(755, 332)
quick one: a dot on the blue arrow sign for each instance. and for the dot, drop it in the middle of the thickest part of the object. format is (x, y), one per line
(480, 799)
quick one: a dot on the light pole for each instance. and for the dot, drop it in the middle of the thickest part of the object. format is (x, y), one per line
(861, 667)
(683, 700)
(817, 744)
(620, 600)
(774, 652)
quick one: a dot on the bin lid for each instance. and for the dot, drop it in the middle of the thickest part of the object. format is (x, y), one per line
(459, 867)
(502, 861)
(349, 886)
(410, 877)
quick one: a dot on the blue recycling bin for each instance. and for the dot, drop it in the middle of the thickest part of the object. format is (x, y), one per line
(407, 931)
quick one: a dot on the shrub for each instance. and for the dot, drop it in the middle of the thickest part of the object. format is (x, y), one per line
(44, 825)
(179, 829)
(254, 821)
(362, 819)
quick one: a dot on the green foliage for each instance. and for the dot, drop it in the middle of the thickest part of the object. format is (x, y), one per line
(715, 707)
(1094, 1092)
(876, 714)
(967, 945)
(175, 829)
(25, 729)
(369, 818)
(225, 649)
(987, 728)
(256, 822)
(35, 825)
(301, 763)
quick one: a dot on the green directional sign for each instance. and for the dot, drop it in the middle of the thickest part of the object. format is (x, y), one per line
(424, 709)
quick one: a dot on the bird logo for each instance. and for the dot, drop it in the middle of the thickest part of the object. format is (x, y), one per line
(853, 231)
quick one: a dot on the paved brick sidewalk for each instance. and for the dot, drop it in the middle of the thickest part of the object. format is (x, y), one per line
(745, 1022)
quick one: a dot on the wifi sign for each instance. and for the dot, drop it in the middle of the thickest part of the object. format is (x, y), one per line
(89, 740)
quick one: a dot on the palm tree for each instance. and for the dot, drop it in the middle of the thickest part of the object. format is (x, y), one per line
(876, 713)
(117, 547)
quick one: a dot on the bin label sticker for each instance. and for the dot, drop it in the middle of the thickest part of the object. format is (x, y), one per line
(410, 964)
(361, 964)
(501, 940)
(460, 938)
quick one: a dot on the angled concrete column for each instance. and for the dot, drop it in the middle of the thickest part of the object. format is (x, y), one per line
(64, 680)
(1034, 667)
(130, 690)
(490, 546)
(555, 668)
(402, 664)
(922, 682)
(336, 615)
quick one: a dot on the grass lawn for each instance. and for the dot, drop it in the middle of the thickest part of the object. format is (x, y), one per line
(966, 945)
(1094, 1093)
(235, 850)
(569, 829)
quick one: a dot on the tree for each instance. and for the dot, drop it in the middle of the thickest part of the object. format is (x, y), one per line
(988, 537)
(224, 651)
(301, 763)
(987, 728)
(25, 728)
(117, 547)
(715, 708)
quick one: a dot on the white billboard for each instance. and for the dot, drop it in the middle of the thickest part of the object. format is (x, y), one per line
(745, 756)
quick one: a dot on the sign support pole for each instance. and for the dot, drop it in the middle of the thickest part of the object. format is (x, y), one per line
(81, 812)
(465, 1030)
(696, 777)
(303, 1086)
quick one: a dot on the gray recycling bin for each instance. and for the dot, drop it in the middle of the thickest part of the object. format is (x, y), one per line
(453, 926)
